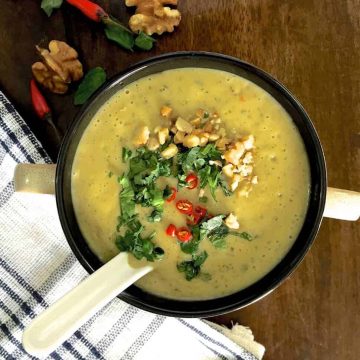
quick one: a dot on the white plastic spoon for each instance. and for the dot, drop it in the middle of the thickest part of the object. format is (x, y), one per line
(57, 323)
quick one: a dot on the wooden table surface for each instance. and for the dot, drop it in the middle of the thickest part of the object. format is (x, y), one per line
(313, 47)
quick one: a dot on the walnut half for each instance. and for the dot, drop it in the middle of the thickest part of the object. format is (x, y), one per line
(152, 16)
(59, 67)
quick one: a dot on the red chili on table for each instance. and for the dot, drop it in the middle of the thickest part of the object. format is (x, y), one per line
(183, 234)
(42, 108)
(184, 206)
(173, 195)
(171, 230)
(89, 9)
(38, 101)
(191, 181)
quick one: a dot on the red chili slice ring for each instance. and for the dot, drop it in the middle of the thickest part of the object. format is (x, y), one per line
(183, 234)
(184, 206)
(191, 181)
(171, 230)
(199, 210)
(173, 194)
(193, 219)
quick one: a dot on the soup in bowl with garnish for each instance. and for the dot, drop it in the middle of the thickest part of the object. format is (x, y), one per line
(199, 170)
(204, 167)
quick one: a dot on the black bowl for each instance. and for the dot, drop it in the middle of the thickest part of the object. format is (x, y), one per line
(204, 308)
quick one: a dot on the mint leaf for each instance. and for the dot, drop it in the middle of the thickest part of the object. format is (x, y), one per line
(90, 83)
(49, 5)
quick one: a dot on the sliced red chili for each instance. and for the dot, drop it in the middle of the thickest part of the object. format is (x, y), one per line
(172, 196)
(193, 219)
(199, 210)
(183, 234)
(184, 206)
(171, 230)
(191, 181)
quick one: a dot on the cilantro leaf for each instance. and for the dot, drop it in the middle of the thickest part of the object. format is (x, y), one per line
(192, 267)
(203, 199)
(127, 203)
(244, 235)
(126, 154)
(140, 247)
(191, 247)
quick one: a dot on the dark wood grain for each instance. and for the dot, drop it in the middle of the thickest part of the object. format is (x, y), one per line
(313, 47)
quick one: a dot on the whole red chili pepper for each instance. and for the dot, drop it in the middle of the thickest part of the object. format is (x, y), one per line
(88, 8)
(41, 107)
(38, 101)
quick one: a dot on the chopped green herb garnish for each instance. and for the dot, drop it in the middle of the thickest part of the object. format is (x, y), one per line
(110, 174)
(243, 235)
(197, 160)
(191, 247)
(192, 267)
(127, 203)
(140, 247)
(168, 192)
(126, 154)
(203, 199)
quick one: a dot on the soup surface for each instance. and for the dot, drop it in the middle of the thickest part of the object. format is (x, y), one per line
(273, 212)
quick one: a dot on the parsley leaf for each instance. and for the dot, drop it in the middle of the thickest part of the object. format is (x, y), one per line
(126, 154)
(140, 247)
(127, 203)
(203, 199)
(167, 192)
(244, 235)
(197, 160)
(191, 247)
(192, 267)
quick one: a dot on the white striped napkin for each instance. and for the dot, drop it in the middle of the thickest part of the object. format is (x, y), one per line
(37, 267)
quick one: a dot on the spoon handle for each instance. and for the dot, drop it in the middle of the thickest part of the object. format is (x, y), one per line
(58, 322)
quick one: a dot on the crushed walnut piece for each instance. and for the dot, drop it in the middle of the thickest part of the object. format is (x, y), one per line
(152, 16)
(59, 67)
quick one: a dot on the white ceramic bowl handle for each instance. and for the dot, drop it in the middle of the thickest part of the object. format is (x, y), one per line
(342, 204)
(35, 178)
(58, 322)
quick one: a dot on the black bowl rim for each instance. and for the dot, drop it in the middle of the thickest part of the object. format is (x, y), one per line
(276, 281)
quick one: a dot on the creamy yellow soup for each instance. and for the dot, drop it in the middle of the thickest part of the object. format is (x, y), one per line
(273, 212)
